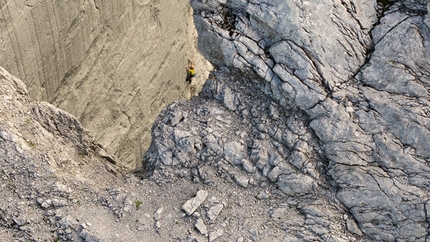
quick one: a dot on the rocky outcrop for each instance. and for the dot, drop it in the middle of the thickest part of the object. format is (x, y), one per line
(41, 148)
(313, 128)
(58, 184)
(326, 101)
(114, 65)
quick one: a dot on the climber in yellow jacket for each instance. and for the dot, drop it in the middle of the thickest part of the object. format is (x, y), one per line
(190, 70)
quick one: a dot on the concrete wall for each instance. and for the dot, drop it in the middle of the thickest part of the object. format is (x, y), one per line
(113, 64)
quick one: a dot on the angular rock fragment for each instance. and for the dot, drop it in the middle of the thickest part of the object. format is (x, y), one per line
(241, 180)
(233, 152)
(157, 214)
(353, 227)
(215, 234)
(201, 226)
(191, 205)
(214, 211)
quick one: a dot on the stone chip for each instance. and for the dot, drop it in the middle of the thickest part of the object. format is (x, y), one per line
(191, 205)
(215, 211)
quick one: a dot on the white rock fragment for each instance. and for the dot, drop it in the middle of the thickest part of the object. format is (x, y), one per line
(201, 226)
(241, 180)
(233, 152)
(158, 224)
(45, 205)
(215, 234)
(191, 205)
(253, 232)
(262, 195)
(157, 214)
(127, 204)
(58, 203)
(61, 188)
(214, 211)
(248, 166)
(19, 221)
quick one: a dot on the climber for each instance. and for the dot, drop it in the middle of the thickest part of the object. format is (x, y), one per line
(190, 70)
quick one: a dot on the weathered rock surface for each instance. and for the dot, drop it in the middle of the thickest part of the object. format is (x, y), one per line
(112, 64)
(326, 100)
(40, 148)
(313, 128)
(58, 184)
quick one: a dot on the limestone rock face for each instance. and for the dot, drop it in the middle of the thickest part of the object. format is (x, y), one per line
(112, 64)
(23, 118)
(326, 100)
